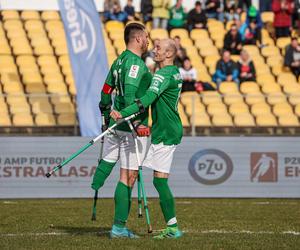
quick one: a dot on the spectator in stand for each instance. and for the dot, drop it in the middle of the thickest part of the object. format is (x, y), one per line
(160, 13)
(233, 40)
(181, 52)
(196, 17)
(215, 9)
(189, 75)
(246, 68)
(297, 16)
(292, 57)
(108, 8)
(149, 58)
(254, 15)
(242, 4)
(129, 10)
(226, 70)
(265, 5)
(146, 10)
(117, 14)
(283, 10)
(230, 9)
(177, 16)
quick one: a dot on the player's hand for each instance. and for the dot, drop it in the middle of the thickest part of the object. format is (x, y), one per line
(142, 130)
(115, 115)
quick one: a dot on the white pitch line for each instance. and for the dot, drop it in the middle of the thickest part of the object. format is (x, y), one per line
(216, 231)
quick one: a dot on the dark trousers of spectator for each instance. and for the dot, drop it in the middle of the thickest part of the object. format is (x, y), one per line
(247, 79)
(188, 86)
(296, 71)
(282, 32)
(235, 51)
(265, 5)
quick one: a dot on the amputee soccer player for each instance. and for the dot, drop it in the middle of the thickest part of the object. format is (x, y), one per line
(130, 77)
(163, 94)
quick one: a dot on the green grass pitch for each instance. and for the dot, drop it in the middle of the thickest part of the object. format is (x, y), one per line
(207, 223)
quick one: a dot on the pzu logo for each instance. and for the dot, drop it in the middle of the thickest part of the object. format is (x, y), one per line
(210, 166)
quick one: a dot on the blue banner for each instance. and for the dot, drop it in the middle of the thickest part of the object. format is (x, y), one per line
(88, 59)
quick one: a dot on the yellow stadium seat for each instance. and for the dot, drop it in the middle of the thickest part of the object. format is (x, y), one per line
(282, 42)
(266, 120)
(61, 50)
(63, 108)
(297, 110)
(284, 78)
(294, 98)
(158, 34)
(238, 108)
(32, 77)
(249, 88)
(13, 88)
(260, 109)
(267, 16)
(50, 15)
(116, 35)
(269, 88)
(66, 119)
(182, 33)
(30, 14)
(291, 87)
(244, 120)
(209, 51)
(202, 120)
(22, 50)
(277, 70)
(114, 25)
(186, 42)
(57, 89)
(211, 61)
(35, 88)
(209, 97)
(16, 99)
(251, 49)
(275, 60)
(198, 34)
(17, 108)
(44, 119)
(284, 108)
(252, 99)
(228, 87)
(3, 107)
(216, 109)
(262, 69)
(10, 14)
(289, 120)
(203, 43)
(22, 120)
(233, 98)
(4, 120)
(274, 98)
(222, 120)
(56, 99)
(270, 51)
(265, 78)
(54, 78)
(41, 107)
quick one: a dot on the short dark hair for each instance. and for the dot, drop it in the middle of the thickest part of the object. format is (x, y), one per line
(198, 3)
(177, 37)
(131, 30)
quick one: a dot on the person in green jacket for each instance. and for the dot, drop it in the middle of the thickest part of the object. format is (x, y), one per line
(177, 16)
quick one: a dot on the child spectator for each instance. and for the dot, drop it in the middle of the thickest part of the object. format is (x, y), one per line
(177, 16)
(129, 10)
(233, 40)
(252, 34)
(226, 70)
(283, 10)
(189, 75)
(161, 13)
(146, 10)
(246, 68)
(215, 9)
(292, 57)
(196, 17)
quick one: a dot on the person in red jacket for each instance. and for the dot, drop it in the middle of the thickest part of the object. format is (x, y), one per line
(283, 10)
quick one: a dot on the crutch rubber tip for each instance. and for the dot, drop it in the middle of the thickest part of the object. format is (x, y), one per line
(149, 229)
(48, 175)
(140, 216)
(93, 217)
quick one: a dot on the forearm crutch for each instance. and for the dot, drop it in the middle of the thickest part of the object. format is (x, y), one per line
(89, 144)
(140, 178)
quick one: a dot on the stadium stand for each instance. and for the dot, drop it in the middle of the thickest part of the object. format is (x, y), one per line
(37, 88)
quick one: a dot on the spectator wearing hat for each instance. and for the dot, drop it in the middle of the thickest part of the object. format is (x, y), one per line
(233, 40)
(196, 18)
(246, 68)
(292, 57)
(283, 10)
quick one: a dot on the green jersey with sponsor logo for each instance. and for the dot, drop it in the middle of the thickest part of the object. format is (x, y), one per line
(130, 77)
(166, 123)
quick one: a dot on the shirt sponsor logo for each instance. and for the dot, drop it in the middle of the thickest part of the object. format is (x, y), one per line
(134, 70)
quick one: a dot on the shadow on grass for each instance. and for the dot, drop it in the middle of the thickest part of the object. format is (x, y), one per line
(97, 231)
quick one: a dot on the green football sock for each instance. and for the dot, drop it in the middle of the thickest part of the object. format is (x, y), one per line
(102, 172)
(122, 204)
(167, 202)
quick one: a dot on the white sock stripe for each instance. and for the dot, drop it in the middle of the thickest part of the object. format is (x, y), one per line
(172, 221)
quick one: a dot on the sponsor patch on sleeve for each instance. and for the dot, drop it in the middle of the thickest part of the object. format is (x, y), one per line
(134, 70)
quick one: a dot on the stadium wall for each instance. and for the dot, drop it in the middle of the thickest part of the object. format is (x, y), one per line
(53, 5)
(203, 167)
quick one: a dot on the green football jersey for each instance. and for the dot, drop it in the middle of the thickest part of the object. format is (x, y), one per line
(166, 123)
(130, 77)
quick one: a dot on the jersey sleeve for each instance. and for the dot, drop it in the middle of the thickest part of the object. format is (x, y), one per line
(159, 84)
(110, 78)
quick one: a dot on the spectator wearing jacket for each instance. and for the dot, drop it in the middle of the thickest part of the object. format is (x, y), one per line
(215, 9)
(160, 13)
(117, 14)
(246, 68)
(177, 16)
(196, 18)
(146, 10)
(226, 69)
(233, 40)
(283, 10)
(292, 57)
(230, 9)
